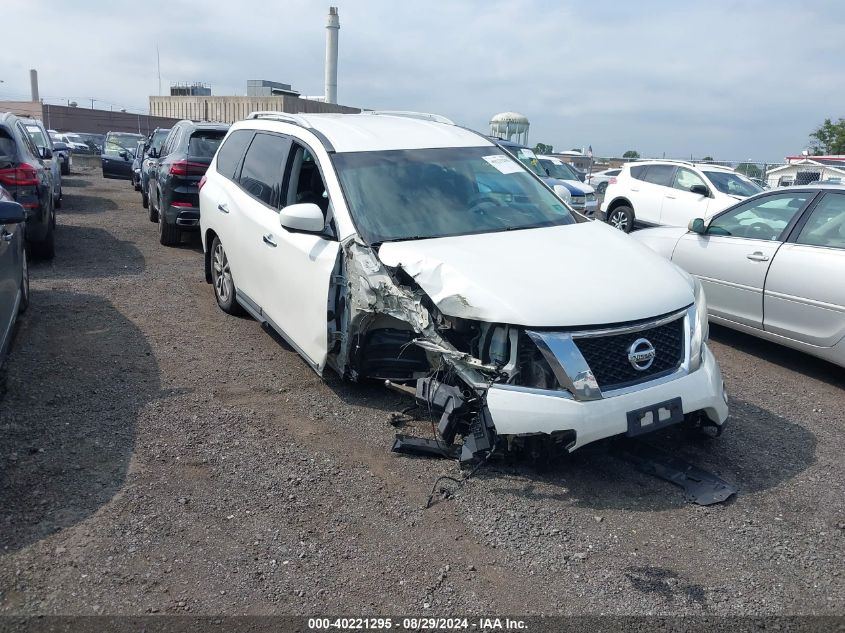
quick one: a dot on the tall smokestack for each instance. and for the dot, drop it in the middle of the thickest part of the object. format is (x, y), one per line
(33, 84)
(332, 28)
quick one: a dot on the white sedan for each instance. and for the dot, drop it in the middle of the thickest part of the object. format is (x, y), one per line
(772, 266)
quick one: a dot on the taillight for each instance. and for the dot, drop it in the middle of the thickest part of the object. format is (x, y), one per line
(612, 180)
(21, 176)
(187, 168)
(201, 183)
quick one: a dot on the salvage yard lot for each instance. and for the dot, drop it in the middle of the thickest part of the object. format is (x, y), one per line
(158, 456)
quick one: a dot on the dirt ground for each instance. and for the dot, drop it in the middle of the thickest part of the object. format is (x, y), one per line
(159, 456)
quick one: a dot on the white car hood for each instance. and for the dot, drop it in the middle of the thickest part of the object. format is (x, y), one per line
(565, 276)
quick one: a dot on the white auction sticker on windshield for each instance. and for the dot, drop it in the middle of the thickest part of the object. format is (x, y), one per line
(503, 163)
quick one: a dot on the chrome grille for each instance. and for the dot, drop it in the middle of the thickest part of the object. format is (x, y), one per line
(607, 356)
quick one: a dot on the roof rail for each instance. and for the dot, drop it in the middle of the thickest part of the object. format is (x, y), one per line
(424, 116)
(279, 116)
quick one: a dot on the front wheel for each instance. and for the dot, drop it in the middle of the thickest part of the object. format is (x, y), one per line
(602, 187)
(65, 168)
(621, 218)
(221, 279)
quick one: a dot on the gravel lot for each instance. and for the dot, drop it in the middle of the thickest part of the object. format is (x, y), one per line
(158, 456)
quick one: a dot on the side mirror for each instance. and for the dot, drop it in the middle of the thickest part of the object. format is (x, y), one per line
(305, 216)
(45, 152)
(701, 190)
(123, 154)
(12, 213)
(60, 147)
(697, 225)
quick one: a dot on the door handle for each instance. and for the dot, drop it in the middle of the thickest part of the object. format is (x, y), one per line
(223, 208)
(757, 256)
(632, 189)
(671, 197)
(268, 239)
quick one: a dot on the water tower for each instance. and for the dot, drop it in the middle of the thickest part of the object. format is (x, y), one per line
(512, 126)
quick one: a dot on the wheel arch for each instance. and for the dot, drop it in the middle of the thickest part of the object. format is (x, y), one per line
(209, 238)
(619, 202)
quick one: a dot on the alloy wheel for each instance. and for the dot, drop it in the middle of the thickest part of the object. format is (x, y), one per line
(223, 285)
(619, 221)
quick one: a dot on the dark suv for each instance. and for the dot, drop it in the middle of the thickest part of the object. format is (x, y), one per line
(148, 165)
(30, 183)
(118, 154)
(173, 188)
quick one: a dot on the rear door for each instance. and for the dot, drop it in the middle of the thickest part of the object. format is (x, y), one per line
(805, 291)
(733, 257)
(253, 211)
(656, 181)
(680, 205)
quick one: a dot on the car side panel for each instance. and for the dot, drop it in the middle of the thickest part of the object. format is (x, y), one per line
(805, 294)
(733, 283)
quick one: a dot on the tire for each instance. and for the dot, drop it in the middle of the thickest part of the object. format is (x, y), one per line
(153, 210)
(24, 286)
(65, 168)
(222, 281)
(145, 200)
(602, 187)
(46, 248)
(168, 234)
(621, 218)
(59, 199)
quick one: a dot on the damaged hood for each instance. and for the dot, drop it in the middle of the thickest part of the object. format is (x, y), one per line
(565, 276)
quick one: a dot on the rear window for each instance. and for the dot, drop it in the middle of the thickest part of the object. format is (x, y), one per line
(231, 152)
(204, 143)
(638, 172)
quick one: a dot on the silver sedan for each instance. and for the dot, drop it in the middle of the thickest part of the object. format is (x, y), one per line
(772, 265)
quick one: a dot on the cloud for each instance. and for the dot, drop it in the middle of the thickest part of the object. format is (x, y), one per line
(726, 78)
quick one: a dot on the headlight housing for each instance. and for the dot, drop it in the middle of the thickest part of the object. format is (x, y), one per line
(563, 193)
(699, 326)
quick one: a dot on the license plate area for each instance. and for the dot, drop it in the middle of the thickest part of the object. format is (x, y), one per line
(654, 417)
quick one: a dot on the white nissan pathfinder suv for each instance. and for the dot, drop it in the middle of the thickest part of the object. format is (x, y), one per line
(401, 247)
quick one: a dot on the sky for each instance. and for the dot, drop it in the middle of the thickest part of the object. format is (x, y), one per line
(729, 79)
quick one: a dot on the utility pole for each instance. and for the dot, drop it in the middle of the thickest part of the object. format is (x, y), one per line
(158, 66)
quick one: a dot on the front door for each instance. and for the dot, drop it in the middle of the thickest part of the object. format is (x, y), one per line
(298, 265)
(680, 205)
(733, 257)
(805, 294)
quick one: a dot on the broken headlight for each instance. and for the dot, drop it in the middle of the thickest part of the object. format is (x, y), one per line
(699, 327)
(532, 368)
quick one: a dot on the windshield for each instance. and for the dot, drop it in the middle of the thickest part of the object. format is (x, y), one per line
(732, 184)
(558, 170)
(116, 143)
(416, 194)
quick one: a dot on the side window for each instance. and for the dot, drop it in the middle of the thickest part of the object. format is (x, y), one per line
(304, 180)
(167, 147)
(261, 174)
(638, 172)
(229, 156)
(660, 175)
(27, 141)
(763, 218)
(826, 224)
(686, 178)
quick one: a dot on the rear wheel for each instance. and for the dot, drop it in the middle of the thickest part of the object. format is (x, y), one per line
(46, 248)
(168, 234)
(221, 279)
(153, 210)
(621, 218)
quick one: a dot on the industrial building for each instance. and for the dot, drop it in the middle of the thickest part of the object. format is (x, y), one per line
(261, 94)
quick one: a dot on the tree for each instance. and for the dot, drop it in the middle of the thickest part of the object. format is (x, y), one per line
(749, 169)
(707, 159)
(633, 154)
(829, 138)
(542, 148)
